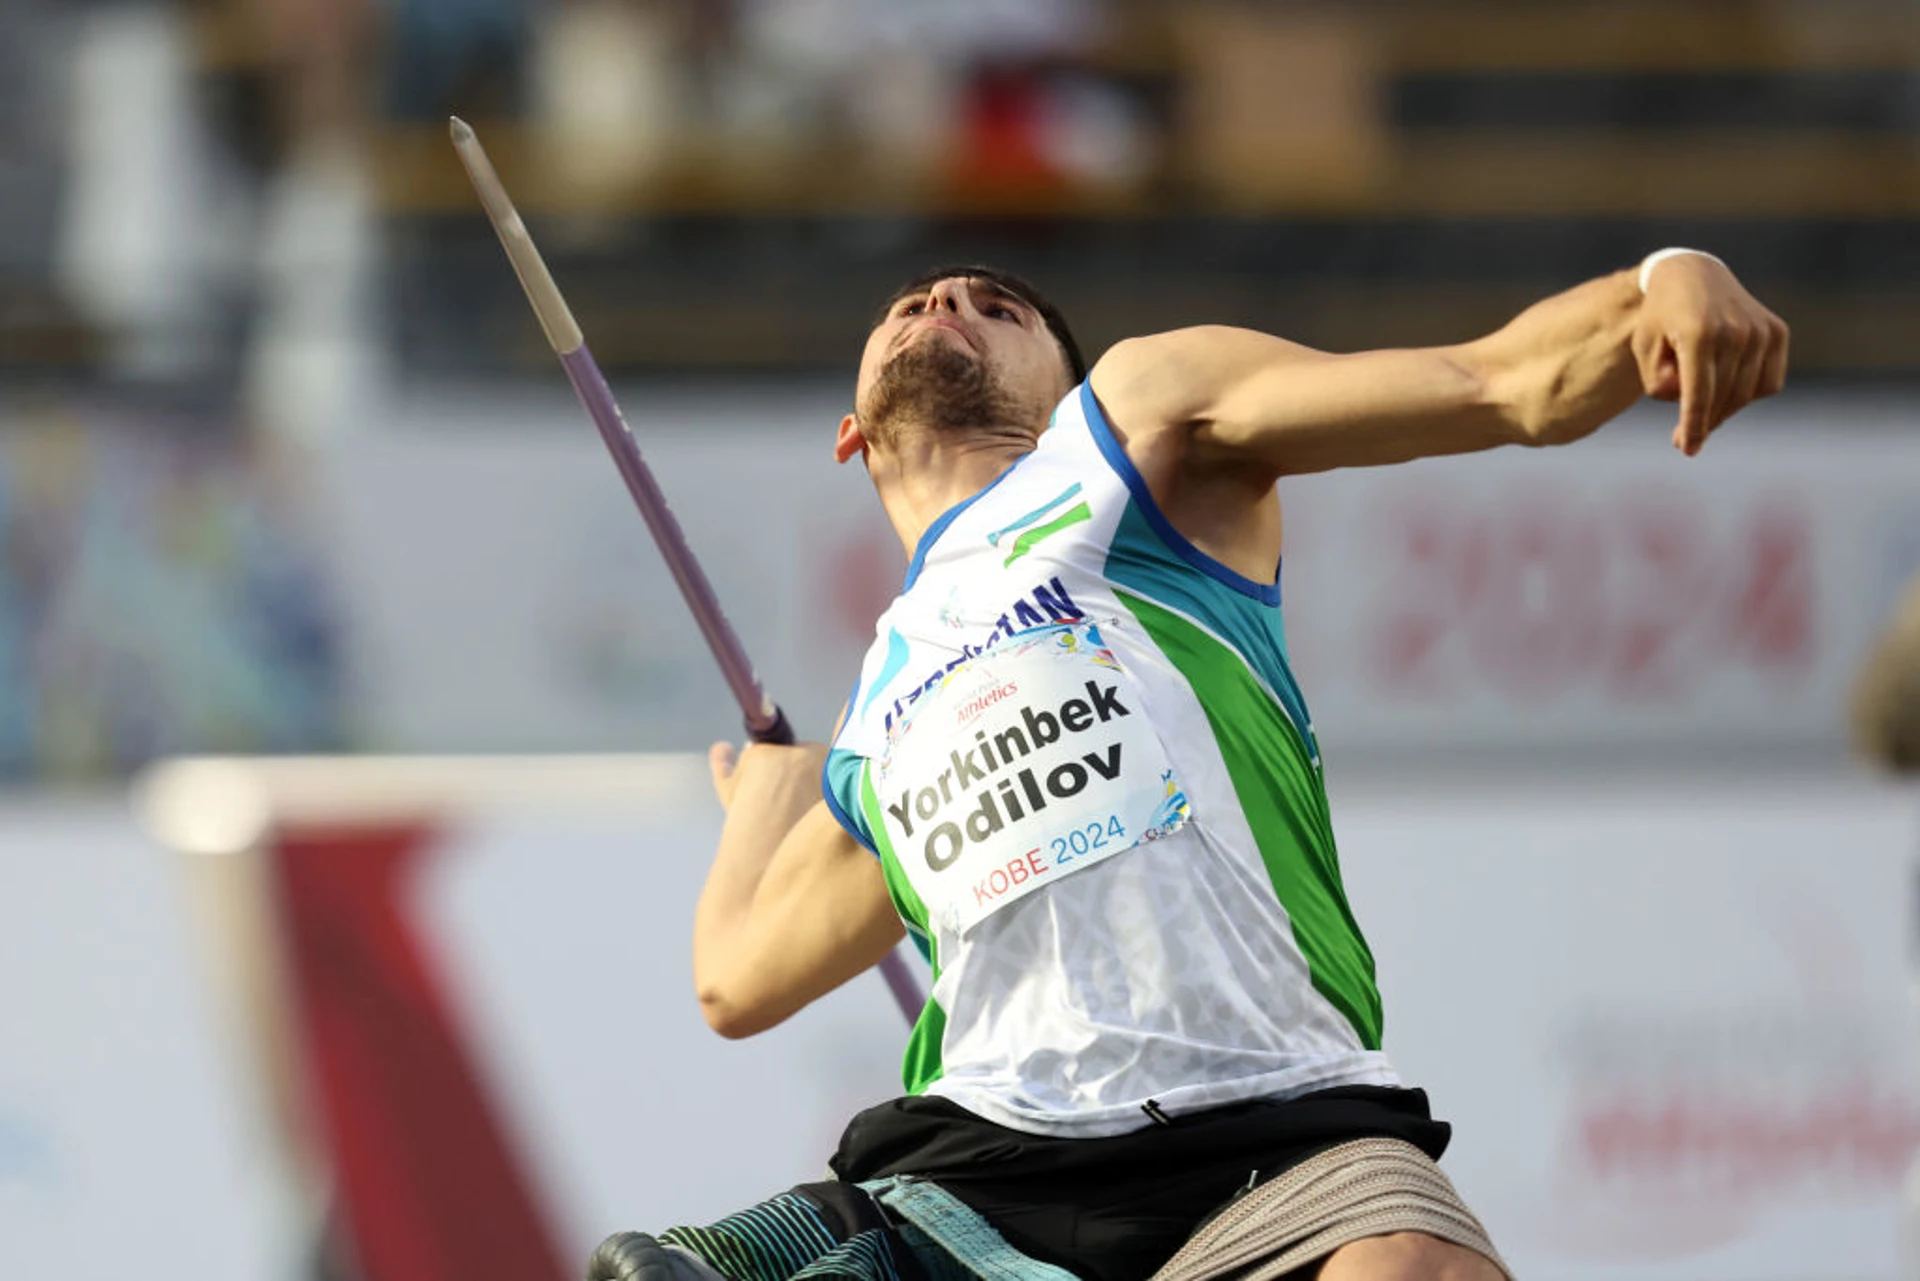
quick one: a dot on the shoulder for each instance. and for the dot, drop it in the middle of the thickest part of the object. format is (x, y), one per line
(1173, 381)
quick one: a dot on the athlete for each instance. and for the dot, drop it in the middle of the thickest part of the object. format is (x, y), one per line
(1076, 769)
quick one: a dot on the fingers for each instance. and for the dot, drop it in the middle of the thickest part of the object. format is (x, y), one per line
(1744, 387)
(1653, 356)
(722, 759)
(1703, 336)
(1732, 365)
(1773, 375)
(1734, 343)
(1699, 387)
(1749, 363)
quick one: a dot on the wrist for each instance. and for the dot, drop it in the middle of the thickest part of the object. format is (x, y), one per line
(1658, 256)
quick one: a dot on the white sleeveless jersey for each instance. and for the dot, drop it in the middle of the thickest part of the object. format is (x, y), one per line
(1080, 755)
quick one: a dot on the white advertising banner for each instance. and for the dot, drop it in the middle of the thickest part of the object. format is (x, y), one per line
(570, 945)
(127, 1141)
(1610, 594)
(503, 593)
(1671, 1022)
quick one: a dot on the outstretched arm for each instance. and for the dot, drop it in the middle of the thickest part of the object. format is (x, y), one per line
(1555, 373)
(793, 907)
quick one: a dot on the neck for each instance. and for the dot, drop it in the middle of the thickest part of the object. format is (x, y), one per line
(931, 472)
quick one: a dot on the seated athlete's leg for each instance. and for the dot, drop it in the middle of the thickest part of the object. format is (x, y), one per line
(816, 1230)
(635, 1256)
(1407, 1256)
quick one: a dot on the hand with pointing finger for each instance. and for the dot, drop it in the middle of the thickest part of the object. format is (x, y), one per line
(1703, 340)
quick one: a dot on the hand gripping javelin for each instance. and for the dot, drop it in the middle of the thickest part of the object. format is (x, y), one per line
(765, 722)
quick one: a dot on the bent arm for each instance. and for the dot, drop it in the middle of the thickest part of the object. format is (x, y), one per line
(1554, 373)
(793, 907)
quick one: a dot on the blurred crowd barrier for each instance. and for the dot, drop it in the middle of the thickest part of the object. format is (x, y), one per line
(1666, 1017)
(472, 577)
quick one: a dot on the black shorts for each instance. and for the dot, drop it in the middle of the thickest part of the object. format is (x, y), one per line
(1115, 1209)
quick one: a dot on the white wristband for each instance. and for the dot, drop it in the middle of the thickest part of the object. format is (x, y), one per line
(1659, 256)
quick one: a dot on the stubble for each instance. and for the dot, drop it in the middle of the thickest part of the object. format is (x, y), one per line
(934, 386)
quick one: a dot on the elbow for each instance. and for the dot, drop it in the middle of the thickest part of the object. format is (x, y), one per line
(725, 1017)
(729, 1023)
(729, 1015)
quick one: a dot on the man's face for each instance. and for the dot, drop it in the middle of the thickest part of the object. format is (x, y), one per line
(963, 353)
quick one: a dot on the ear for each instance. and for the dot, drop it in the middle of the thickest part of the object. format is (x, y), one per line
(849, 442)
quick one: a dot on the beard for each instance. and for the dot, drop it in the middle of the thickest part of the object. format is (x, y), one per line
(935, 386)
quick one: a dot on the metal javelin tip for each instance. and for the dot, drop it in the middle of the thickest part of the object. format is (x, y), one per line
(555, 318)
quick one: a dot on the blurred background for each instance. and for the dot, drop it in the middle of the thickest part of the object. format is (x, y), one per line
(287, 471)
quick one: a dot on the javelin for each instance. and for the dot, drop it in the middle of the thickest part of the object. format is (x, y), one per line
(766, 723)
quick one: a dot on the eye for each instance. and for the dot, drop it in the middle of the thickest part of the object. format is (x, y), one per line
(913, 308)
(1000, 311)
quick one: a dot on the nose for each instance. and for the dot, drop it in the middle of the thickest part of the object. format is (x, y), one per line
(948, 295)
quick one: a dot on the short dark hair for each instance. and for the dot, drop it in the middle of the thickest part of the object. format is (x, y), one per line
(1049, 314)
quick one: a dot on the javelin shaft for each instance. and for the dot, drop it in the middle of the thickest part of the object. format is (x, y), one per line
(766, 723)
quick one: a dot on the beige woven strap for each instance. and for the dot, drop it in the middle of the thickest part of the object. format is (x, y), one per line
(1366, 1188)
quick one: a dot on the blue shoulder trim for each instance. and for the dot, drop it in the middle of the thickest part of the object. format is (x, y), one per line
(840, 785)
(1265, 593)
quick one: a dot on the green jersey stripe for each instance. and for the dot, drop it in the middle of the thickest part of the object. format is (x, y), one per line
(1138, 559)
(1285, 805)
(922, 1065)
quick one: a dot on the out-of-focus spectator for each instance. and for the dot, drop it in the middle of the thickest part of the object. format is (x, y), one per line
(610, 84)
(133, 244)
(1886, 697)
(898, 96)
(919, 86)
(292, 193)
(33, 51)
(456, 56)
(319, 48)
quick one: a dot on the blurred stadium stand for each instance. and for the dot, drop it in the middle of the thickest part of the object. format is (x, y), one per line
(1354, 177)
(725, 186)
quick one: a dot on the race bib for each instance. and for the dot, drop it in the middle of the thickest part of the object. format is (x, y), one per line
(1028, 763)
